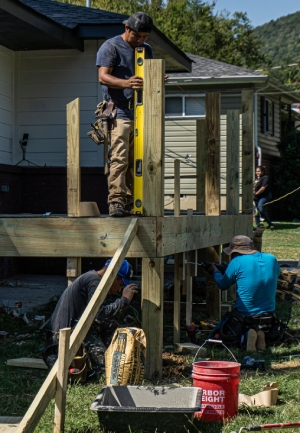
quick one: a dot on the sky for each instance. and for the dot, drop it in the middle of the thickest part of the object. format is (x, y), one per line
(259, 11)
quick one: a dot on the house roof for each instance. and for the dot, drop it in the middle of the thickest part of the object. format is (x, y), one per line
(47, 24)
(205, 70)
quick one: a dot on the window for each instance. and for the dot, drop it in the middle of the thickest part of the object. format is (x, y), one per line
(183, 106)
(267, 116)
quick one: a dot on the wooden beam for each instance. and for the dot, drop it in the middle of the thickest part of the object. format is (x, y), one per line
(73, 176)
(74, 237)
(62, 380)
(180, 235)
(154, 137)
(189, 278)
(233, 162)
(247, 151)
(201, 143)
(212, 179)
(152, 314)
(213, 293)
(177, 298)
(46, 392)
(177, 187)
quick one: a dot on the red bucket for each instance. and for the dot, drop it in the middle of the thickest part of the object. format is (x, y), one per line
(219, 381)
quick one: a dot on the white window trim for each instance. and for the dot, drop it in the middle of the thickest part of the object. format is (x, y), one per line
(186, 95)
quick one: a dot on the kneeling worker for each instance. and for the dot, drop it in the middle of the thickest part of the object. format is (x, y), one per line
(75, 299)
(255, 275)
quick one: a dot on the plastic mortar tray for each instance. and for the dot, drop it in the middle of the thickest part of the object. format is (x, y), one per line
(147, 408)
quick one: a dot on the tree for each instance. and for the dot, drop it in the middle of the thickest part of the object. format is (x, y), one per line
(194, 28)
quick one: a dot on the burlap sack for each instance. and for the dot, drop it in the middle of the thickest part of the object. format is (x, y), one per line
(125, 357)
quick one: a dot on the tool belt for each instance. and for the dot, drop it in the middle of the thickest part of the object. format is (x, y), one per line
(105, 113)
(124, 104)
(260, 321)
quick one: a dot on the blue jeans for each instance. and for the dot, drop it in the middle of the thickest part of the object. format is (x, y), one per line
(262, 212)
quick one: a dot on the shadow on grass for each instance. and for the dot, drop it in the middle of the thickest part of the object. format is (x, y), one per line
(286, 226)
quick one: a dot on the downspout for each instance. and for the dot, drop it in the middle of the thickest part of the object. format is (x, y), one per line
(256, 146)
(88, 3)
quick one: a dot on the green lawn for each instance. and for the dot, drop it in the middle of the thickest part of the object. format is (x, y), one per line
(283, 242)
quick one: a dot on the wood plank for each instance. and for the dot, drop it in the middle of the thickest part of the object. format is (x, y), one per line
(232, 169)
(154, 137)
(177, 187)
(201, 143)
(213, 293)
(10, 419)
(8, 428)
(212, 179)
(247, 151)
(189, 278)
(61, 380)
(46, 392)
(72, 237)
(177, 236)
(152, 314)
(27, 363)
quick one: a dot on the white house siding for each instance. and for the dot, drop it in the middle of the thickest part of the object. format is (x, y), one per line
(180, 136)
(49, 80)
(6, 104)
(268, 142)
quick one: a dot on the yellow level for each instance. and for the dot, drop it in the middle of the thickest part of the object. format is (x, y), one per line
(138, 204)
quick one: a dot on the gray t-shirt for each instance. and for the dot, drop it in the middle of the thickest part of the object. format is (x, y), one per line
(74, 300)
(117, 54)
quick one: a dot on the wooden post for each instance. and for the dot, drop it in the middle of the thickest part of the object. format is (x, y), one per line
(62, 380)
(213, 293)
(233, 162)
(154, 137)
(212, 180)
(153, 268)
(177, 299)
(152, 314)
(177, 187)
(247, 151)
(46, 392)
(201, 144)
(73, 177)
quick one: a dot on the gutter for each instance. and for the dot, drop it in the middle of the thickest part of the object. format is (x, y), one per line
(251, 79)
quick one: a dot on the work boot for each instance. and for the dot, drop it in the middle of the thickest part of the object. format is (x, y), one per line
(116, 210)
(261, 340)
(251, 341)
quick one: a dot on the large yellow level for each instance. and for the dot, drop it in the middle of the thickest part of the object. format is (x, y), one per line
(138, 203)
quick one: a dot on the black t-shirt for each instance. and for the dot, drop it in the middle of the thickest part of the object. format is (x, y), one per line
(74, 300)
(263, 181)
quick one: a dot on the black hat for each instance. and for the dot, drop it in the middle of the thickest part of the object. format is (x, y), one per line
(140, 22)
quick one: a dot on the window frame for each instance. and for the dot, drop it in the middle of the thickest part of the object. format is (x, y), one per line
(183, 114)
(266, 106)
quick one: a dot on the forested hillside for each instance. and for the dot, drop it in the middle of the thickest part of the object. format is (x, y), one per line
(281, 38)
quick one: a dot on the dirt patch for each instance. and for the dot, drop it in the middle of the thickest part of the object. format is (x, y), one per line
(175, 366)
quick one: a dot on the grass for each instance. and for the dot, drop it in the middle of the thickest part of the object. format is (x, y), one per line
(283, 242)
(19, 386)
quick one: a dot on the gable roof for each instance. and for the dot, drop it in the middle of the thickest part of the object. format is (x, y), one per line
(47, 24)
(205, 70)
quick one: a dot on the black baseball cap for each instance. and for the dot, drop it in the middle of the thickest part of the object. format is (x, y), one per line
(140, 22)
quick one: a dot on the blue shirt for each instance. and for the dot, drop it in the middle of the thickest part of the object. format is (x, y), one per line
(256, 278)
(117, 54)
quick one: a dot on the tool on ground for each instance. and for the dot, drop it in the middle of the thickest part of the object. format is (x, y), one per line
(261, 427)
(138, 193)
(253, 364)
(191, 331)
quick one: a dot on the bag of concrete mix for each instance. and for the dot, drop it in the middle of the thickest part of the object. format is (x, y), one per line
(125, 357)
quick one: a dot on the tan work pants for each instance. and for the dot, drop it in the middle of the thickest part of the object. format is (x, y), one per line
(120, 176)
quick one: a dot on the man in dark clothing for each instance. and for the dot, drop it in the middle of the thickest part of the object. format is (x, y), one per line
(76, 297)
(115, 60)
(262, 196)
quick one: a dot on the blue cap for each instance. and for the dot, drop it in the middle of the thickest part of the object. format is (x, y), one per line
(125, 271)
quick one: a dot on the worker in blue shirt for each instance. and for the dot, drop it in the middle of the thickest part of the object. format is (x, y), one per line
(255, 275)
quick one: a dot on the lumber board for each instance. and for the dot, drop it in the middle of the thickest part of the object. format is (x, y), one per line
(46, 392)
(177, 297)
(177, 235)
(247, 151)
(201, 145)
(73, 237)
(154, 137)
(73, 157)
(152, 314)
(27, 363)
(212, 178)
(233, 163)
(8, 428)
